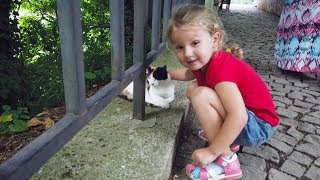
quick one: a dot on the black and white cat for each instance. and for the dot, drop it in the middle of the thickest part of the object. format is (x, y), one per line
(159, 88)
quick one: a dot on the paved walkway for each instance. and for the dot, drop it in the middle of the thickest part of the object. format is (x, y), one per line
(294, 150)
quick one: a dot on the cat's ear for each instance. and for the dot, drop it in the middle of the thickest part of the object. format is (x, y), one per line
(165, 66)
(149, 70)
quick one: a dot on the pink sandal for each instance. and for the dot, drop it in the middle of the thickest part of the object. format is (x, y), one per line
(231, 170)
(233, 147)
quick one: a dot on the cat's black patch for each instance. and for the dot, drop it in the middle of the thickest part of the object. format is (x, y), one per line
(160, 73)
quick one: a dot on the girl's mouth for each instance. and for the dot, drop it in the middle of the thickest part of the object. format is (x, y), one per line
(191, 62)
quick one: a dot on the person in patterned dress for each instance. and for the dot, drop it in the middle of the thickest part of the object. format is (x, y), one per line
(298, 36)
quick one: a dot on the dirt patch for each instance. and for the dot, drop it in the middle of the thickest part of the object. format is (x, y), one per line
(188, 142)
(12, 143)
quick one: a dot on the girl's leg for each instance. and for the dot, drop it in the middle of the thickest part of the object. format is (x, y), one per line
(210, 112)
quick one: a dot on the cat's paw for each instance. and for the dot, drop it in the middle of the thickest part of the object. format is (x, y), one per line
(166, 106)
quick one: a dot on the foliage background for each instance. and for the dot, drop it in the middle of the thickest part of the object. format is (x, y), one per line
(30, 68)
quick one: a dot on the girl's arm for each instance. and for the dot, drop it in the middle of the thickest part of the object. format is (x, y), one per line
(183, 74)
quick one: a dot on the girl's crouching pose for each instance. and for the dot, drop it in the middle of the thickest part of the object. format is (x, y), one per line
(232, 102)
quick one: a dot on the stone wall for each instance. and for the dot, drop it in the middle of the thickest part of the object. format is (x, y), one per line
(271, 6)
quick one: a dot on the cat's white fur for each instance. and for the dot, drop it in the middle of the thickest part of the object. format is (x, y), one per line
(158, 92)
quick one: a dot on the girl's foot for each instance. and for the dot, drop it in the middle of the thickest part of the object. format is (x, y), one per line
(221, 168)
(202, 135)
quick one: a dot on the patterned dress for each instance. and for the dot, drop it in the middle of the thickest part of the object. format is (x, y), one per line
(298, 36)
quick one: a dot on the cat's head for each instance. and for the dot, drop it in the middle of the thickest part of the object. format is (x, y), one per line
(159, 74)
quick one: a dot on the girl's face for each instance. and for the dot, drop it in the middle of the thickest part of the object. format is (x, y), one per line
(193, 46)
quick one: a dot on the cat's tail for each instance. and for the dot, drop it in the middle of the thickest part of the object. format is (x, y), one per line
(235, 50)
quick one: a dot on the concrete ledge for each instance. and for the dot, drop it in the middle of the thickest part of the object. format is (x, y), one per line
(115, 146)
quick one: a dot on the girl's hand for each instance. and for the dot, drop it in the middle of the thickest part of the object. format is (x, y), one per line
(203, 156)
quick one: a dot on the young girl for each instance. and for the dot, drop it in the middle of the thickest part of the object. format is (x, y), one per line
(231, 101)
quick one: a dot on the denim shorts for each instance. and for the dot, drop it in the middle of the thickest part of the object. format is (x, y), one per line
(255, 132)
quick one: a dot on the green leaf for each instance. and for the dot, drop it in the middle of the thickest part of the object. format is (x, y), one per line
(3, 127)
(89, 75)
(24, 116)
(6, 118)
(18, 126)
(6, 108)
(15, 115)
(6, 113)
(19, 110)
(4, 131)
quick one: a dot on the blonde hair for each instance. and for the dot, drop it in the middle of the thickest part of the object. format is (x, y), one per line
(198, 15)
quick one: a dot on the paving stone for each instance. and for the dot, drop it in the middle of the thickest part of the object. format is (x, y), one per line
(313, 100)
(299, 109)
(300, 158)
(310, 119)
(314, 88)
(307, 127)
(282, 99)
(274, 174)
(313, 173)
(301, 84)
(286, 113)
(317, 162)
(279, 145)
(276, 85)
(276, 93)
(318, 131)
(313, 93)
(315, 114)
(281, 89)
(282, 81)
(293, 132)
(306, 95)
(293, 88)
(295, 95)
(252, 173)
(293, 168)
(279, 104)
(252, 161)
(292, 80)
(309, 148)
(303, 104)
(285, 138)
(280, 128)
(316, 107)
(289, 122)
(313, 139)
(263, 151)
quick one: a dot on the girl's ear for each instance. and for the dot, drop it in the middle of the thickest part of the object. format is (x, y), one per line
(216, 39)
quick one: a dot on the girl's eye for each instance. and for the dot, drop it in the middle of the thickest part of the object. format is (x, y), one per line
(194, 43)
(179, 47)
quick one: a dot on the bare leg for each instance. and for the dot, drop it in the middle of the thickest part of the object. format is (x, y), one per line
(210, 112)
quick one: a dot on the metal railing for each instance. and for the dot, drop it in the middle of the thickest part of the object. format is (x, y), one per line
(79, 109)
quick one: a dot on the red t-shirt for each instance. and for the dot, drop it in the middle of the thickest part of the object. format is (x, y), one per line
(256, 96)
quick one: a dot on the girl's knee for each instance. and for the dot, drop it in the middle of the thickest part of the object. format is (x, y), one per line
(190, 89)
(203, 94)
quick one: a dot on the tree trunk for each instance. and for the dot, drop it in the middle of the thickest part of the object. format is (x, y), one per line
(4, 27)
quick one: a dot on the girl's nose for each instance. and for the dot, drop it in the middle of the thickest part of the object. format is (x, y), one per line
(188, 52)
